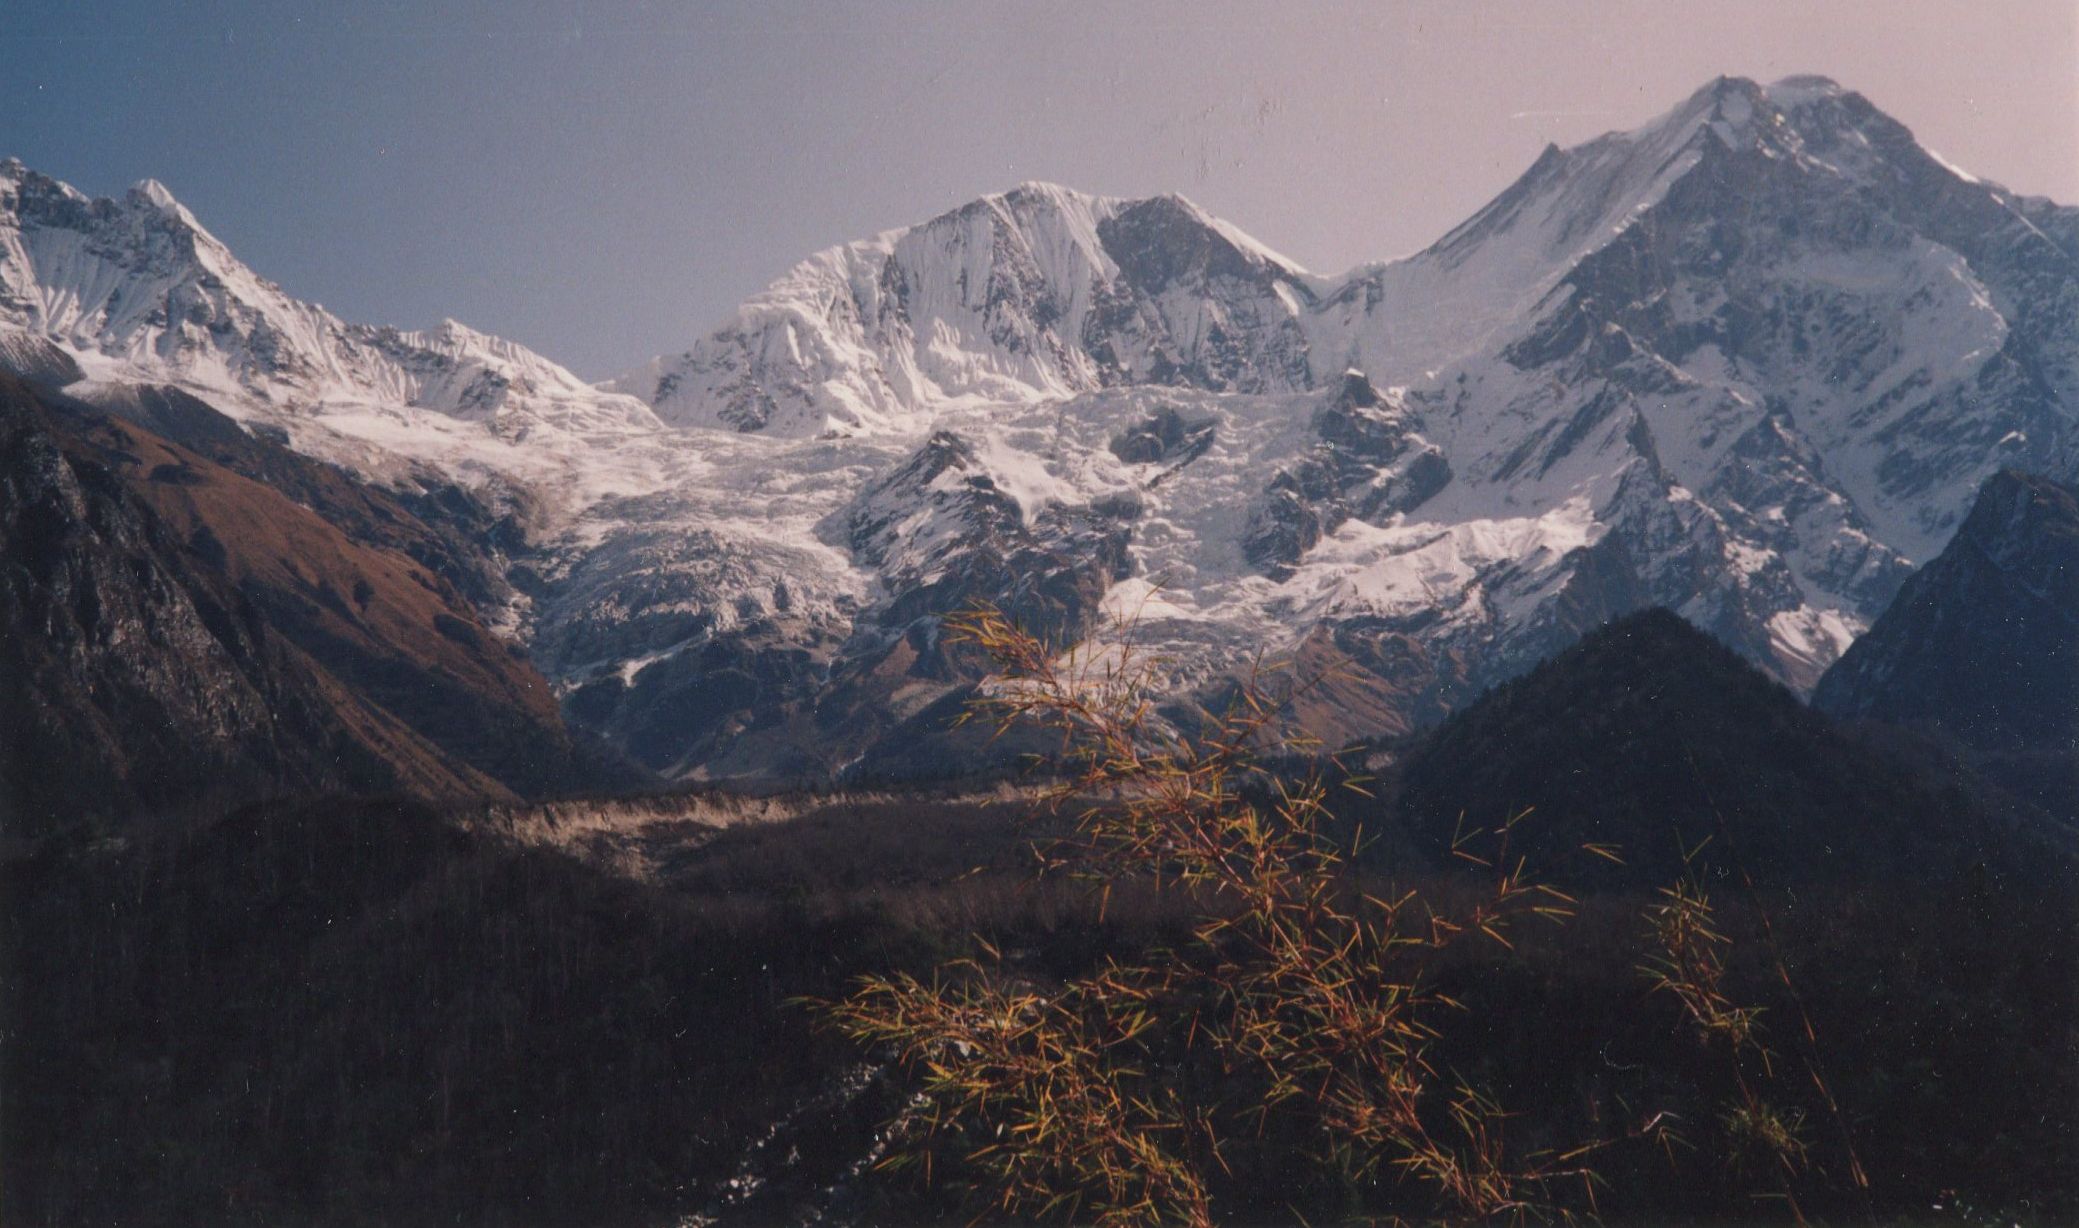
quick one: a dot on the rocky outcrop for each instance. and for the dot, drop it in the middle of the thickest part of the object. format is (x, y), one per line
(1370, 465)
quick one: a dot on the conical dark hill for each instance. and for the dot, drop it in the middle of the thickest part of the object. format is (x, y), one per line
(1981, 646)
(1652, 738)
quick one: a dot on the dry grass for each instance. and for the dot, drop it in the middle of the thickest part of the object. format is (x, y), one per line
(1115, 1096)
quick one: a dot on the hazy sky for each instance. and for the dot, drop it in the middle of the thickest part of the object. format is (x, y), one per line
(602, 181)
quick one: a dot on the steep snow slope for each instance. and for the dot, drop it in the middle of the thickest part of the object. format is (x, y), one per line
(1814, 297)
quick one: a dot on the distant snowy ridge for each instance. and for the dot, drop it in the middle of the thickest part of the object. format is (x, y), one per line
(135, 288)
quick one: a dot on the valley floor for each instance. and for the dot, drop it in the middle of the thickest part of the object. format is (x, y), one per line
(375, 1012)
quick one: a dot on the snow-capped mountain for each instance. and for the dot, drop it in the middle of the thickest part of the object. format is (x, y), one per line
(1749, 361)
(135, 288)
(1037, 293)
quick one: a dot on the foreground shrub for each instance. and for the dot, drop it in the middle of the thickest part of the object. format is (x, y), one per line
(1301, 1010)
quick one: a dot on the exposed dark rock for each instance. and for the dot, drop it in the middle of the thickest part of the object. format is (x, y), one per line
(1165, 437)
(1371, 464)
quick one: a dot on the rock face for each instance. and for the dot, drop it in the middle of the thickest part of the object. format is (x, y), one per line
(176, 633)
(136, 676)
(1750, 362)
(1982, 643)
(1369, 465)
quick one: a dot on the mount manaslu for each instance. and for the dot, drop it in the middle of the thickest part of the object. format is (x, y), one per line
(1751, 361)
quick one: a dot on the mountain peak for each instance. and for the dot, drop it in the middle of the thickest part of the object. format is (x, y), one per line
(155, 193)
(1025, 198)
(154, 197)
(2019, 514)
(456, 339)
(139, 280)
(1780, 118)
(1727, 86)
(1040, 291)
(1735, 111)
(453, 329)
(1049, 190)
(2006, 484)
(1800, 86)
(1797, 89)
(29, 184)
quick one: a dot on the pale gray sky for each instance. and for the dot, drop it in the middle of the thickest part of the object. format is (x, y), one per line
(603, 181)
